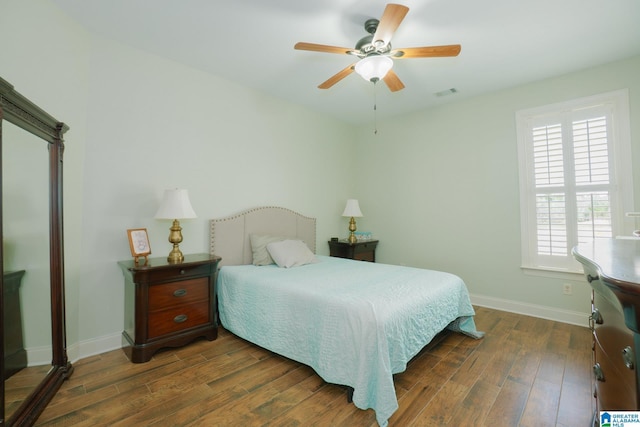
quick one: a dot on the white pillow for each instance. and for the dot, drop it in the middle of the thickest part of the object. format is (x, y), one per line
(290, 253)
(259, 248)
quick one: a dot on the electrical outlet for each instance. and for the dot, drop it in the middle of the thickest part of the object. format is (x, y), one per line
(567, 289)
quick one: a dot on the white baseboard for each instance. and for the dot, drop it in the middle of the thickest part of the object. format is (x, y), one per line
(544, 312)
(94, 346)
(38, 356)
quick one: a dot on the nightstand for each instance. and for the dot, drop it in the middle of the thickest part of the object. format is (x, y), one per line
(363, 251)
(15, 356)
(168, 305)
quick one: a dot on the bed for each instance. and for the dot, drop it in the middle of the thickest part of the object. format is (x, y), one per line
(355, 323)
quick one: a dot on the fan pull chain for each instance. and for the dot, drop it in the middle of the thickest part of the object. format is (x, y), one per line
(375, 110)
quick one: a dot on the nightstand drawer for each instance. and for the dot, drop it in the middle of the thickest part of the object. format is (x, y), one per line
(179, 271)
(182, 292)
(365, 256)
(365, 247)
(178, 318)
(616, 384)
(361, 251)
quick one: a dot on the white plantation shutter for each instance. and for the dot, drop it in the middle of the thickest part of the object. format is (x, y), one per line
(551, 224)
(548, 170)
(569, 191)
(547, 156)
(591, 152)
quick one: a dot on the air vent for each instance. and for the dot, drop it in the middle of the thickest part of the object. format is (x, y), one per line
(447, 92)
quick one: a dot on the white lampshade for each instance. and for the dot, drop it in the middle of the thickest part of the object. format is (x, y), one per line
(352, 209)
(374, 68)
(175, 205)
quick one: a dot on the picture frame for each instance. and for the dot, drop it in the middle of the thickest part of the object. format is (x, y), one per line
(139, 243)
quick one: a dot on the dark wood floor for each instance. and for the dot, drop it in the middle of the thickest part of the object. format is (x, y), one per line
(526, 371)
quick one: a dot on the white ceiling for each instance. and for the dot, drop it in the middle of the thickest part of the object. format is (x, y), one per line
(504, 43)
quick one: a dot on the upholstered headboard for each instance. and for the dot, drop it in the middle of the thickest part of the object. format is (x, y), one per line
(230, 235)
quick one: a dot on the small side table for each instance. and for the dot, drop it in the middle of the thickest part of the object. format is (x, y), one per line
(363, 251)
(168, 305)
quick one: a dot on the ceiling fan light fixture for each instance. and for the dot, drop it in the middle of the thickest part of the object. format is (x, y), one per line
(374, 67)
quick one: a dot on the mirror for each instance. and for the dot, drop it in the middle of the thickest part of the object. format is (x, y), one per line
(32, 284)
(25, 225)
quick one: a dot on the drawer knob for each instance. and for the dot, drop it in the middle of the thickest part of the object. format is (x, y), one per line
(180, 318)
(182, 271)
(179, 292)
(595, 317)
(591, 278)
(627, 356)
(597, 371)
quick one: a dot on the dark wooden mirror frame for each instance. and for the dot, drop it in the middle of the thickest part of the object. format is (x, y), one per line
(18, 110)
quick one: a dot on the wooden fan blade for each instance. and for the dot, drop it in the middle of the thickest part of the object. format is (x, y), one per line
(391, 19)
(337, 77)
(393, 82)
(426, 51)
(322, 48)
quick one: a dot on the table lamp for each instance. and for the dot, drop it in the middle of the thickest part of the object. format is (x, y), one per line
(352, 210)
(175, 205)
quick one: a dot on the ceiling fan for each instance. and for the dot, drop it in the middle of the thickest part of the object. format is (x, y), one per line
(375, 51)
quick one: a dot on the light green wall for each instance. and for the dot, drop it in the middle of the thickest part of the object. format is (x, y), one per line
(140, 124)
(155, 124)
(440, 187)
(43, 54)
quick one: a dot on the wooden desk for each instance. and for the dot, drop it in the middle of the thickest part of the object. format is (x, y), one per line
(612, 267)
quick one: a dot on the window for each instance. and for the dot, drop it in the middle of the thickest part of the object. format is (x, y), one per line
(575, 177)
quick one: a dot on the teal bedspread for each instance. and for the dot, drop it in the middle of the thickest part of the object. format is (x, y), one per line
(354, 323)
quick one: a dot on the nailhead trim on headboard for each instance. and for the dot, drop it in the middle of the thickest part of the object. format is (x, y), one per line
(305, 226)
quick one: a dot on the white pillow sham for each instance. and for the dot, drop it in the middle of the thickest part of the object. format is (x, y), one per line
(259, 251)
(290, 253)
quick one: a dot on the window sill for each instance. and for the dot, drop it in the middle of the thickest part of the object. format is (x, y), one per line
(554, 274)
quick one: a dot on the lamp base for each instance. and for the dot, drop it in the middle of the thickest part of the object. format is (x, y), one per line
(175, 237)
(175, 256)
(352, 228)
